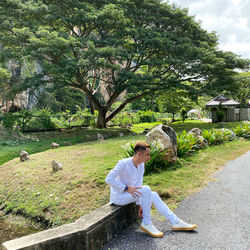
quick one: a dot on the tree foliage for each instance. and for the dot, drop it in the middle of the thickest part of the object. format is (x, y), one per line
(242, 93)
(106, 48)
(173, 100)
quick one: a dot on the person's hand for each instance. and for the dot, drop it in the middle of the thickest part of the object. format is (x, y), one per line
(133, 191)
(140, 212)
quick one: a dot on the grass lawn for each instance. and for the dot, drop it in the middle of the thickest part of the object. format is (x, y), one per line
(11, 144)
(32, 189)
(187, 125)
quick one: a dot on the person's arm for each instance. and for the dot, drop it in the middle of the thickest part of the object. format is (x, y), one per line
(111, 178)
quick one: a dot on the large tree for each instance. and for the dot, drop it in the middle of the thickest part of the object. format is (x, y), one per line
(242, 93)
(106, 48)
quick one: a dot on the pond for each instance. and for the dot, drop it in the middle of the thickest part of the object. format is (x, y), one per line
(12, 227)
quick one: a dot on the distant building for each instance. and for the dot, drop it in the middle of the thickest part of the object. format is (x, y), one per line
(227, 110)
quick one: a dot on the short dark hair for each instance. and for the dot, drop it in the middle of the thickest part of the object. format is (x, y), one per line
(140, 146)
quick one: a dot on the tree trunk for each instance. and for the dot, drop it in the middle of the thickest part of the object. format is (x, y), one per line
(101, 120)
(90, 105)
(173, 117)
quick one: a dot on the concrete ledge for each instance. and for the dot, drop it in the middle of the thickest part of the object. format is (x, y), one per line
(89, 232)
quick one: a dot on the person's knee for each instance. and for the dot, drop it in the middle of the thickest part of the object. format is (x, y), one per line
(145, 190)
(155, 194)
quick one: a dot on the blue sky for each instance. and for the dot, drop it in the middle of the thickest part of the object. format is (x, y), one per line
(229, 18)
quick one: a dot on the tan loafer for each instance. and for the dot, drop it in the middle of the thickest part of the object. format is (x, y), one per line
(151, 230)
(183, 226)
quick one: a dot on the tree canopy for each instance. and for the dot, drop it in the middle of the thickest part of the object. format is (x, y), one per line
(109, 48)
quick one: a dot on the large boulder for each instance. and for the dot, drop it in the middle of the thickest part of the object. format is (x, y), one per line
(24, 156)
(165, 138)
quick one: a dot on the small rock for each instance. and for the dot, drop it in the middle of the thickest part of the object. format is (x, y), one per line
(100, 137)
(54, 145)
(56, 166)
(24, 156)
(121, 134)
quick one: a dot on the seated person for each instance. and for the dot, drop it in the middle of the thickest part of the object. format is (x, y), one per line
(125, 182)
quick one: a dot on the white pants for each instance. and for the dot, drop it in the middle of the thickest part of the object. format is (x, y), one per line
(147, 198)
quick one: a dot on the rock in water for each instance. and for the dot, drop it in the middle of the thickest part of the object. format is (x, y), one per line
(24, 156)
(164, 137)
(56, 166)
(54, 145)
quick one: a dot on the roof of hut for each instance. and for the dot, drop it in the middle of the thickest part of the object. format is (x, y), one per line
(222, 100)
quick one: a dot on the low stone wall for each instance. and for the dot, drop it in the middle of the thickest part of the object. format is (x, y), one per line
(90, 232)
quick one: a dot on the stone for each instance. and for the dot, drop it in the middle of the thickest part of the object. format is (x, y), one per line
(121, 134)
(24, 156)
(54, 145)
(56, 166)
(100, 137)
(164, 137)
(196, 132)
(89, 232)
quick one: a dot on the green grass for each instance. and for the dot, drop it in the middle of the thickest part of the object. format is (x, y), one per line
(12, 143)
(32, 189)
(187, 125)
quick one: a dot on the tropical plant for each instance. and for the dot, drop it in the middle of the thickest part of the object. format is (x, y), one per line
(185, 143)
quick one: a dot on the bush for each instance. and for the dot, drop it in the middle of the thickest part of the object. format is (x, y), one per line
(243, 130)
(217, 136)
(9, 120)
(185, 143)
(39, 119)
(146, 116)
(157, 160)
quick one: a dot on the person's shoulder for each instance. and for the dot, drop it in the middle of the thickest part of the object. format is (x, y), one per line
(123, 162)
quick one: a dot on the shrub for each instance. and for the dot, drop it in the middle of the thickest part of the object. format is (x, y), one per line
(217, 136)
(157, 160)
(39, 119)
(185, 143)
(220, 115)
(243, 130)
(9, 120)
(146, 116)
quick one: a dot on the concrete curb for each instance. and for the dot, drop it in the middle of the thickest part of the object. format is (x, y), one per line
(89, 232)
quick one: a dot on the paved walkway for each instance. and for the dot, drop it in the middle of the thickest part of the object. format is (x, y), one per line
(221, 211)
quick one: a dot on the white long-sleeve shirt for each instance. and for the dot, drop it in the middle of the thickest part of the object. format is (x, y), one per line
(125, 173)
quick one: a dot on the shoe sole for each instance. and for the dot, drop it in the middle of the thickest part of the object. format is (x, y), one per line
(185, 228)
(153, 235)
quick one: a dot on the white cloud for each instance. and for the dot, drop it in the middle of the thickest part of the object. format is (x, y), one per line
(229, 18)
